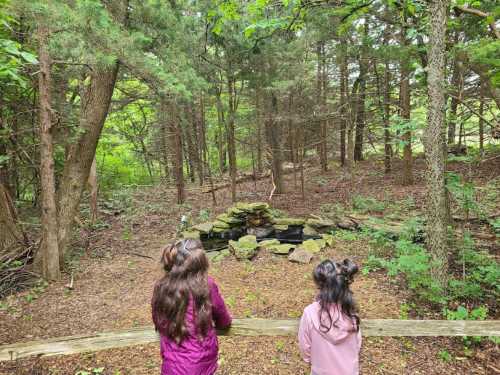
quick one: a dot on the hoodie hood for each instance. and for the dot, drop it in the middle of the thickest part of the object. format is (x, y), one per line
(342, 328)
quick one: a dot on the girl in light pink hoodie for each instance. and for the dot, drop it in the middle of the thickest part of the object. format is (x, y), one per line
(329, 334)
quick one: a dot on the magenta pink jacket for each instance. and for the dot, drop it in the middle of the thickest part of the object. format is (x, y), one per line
(194, 355)
(335, 352)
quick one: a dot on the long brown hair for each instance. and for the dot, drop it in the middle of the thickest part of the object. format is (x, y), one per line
(186, 270)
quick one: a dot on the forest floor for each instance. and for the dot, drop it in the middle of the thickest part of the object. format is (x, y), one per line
(113, 285)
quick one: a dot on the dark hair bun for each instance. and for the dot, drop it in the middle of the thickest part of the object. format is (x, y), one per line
(348, 269)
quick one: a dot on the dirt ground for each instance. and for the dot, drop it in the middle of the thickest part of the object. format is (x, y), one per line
(113, 285)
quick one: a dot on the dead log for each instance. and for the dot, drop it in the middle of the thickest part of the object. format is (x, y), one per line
(245, 327)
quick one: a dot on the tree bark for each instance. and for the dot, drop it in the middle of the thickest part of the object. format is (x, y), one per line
(481, 120)
(49, 250)
(457, 85)
(405, 109)
(94, 109)
(343, 100)
(434, 142)
(361, 98)
(321, 83)
(221, 143)
(273, 132)
(231, 143)
(171, 121)
(258, 121)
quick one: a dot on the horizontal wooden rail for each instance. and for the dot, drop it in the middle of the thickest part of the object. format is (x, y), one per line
(244, 327)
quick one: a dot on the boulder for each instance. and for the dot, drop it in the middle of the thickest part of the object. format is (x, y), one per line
(347, 224)
(266, 243)
(191, 234)
(311, 246)
(221, 225)
(245, 248)
(321, 225)
(261, 232)
(228, 219)
(289, 221)
(203, 227)
(252, 207)
(300, 255)
(329, 239)
(280, 227)
(309, 231)
(217, 256)
(281, 249)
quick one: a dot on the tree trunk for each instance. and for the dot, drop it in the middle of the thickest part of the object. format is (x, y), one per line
(163, 143)
(273, 132)
(258, 121)
(361, 116)
(481, 120)
(350, 127)
(343, 101)
(231, 144)
(203, 141)
(387, 116)
(321, 97)
(434, 142)
(171, 121)
(11, 235)
(221, 143)
(94, 109)
(405, 109)
(49, 250)
(457, 86)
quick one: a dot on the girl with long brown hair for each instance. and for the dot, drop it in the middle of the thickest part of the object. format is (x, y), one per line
(187, 308)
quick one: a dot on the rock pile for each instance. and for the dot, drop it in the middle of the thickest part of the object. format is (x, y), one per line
(247, 228)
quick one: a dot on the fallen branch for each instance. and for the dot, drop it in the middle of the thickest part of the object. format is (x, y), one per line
(244, 327)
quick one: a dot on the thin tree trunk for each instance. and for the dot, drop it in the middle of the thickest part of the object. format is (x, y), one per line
(49, 249)
(343, 101)
(457, 87)
(481, 120)
(360, 118)
(273, 132)
(434, 142)
(321, 97)
(231, 144)
(169, 116)
(405, 109)
(163, 145)
(203, 141)
(221, 143)
(258, 121)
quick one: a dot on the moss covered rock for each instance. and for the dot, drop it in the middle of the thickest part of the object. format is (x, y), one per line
(289, 221)
(300, 255)
(229, 219)
(203, 227)
(329, 239)
(311, 246)
(191, 234)
(309, 231)
(245, 248)
(321, 225)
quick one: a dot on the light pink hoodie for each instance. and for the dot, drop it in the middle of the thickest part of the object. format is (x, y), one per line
(335, 352)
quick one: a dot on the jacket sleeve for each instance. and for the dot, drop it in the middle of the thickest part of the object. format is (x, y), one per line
(305, 337)
(220, 315)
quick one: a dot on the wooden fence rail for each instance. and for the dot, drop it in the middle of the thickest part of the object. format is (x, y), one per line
(244, 327)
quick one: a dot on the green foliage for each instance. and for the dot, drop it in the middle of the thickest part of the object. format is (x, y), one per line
(445, 355)
(367, 204)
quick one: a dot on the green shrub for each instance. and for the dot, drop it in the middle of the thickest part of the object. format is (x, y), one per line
(367, 204)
